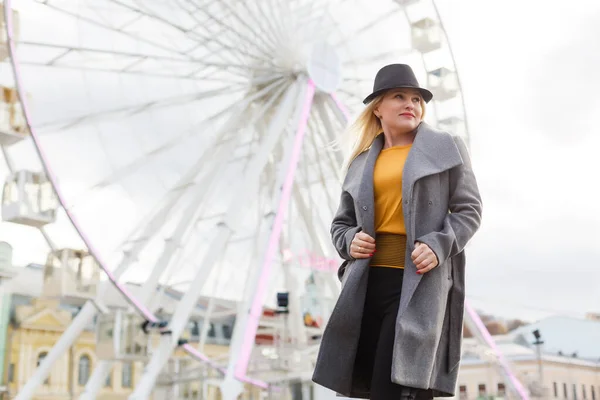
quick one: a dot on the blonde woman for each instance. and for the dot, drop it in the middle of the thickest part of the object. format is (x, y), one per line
(409, 205)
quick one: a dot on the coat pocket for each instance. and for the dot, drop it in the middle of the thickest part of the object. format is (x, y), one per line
(456, 316)
(343, 274)
(456, 326)
(341, 270)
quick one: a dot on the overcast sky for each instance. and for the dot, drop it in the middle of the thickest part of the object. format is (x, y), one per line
(530, 77)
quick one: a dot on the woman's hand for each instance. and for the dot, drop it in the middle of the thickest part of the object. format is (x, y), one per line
(362, 246)
(424, 258)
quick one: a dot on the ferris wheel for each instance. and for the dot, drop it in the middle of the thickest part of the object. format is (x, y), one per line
(187, 146)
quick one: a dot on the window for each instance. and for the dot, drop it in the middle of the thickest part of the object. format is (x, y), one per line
(583, 393)
(126, 375)
(11, 373)
(555, 386)
(501, 389)
(481, 389)
(226, 331)
(195, 328)
(41, 358)
(211, 331)
(593, 393)
(108, 381)
(462, 392)
(296, 389)
(84, 370)
(574, 392)
(565, 392)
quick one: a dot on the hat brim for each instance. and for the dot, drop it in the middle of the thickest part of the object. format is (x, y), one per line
(426, 94)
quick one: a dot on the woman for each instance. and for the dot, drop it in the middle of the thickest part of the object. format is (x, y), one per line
(409, 205)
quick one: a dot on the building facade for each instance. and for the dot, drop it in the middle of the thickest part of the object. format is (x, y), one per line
(36, 326)
(566, 366)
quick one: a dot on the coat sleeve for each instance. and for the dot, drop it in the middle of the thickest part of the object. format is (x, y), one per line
(465, 210)
(344, 226)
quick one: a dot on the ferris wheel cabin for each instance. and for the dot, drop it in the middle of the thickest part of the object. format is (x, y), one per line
(71, 273)
(29, 199)
(13, 127)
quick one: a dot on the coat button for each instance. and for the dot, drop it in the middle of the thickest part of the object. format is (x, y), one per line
(405, 201)
(430, 202)
(365, 208)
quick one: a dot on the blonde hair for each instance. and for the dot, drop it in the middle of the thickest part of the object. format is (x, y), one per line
(366, 127)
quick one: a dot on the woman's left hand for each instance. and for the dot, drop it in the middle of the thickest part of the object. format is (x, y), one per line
(424, 258)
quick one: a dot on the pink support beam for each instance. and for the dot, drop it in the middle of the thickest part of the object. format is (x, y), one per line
(142, 309)
(490, 342)
(257, 305)
(340, 106)
(482, 329)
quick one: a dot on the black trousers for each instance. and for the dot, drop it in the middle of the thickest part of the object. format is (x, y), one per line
(376, 343)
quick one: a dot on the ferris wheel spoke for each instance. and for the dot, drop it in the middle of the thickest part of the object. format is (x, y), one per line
(230, 29)
(112, 28)
(267, 26)
(219, 50)
(187, 32)
(268, 46)
(325, 141)
(266, 11)
(124, 61)
(369, 25)
(133, 109)
(379, 57)
(288, 26)
(151, 223)
(171, 254)
(312, 15)
(223, 145)
(220, 238)
(244, 346)
(308, 220)
(180, 236)
(119, 174)
(331, 126)
(206, 25)
(134, 73)
(349, 97)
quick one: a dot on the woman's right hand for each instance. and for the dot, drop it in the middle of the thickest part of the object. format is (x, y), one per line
(362, 246)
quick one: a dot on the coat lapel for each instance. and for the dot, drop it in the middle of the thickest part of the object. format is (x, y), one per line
(432, 152)
(366, 199)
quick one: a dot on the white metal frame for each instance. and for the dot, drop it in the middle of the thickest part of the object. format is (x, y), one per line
(245, 55)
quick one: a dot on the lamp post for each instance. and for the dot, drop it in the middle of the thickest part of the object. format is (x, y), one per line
(283, 308)
(538, 344)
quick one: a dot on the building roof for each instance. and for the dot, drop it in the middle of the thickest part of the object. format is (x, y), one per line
(568, 335)
(565, 334)
(28, 282)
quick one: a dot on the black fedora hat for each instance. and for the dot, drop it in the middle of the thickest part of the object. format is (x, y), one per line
(396, 76)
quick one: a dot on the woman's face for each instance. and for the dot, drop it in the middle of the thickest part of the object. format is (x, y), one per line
(400, 110)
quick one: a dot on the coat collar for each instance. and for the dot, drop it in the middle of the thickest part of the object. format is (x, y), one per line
(432, 152)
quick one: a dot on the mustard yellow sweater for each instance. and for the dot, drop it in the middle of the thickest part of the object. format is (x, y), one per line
(389, 218)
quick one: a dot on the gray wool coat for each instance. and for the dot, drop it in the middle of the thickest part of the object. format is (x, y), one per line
(442, 208)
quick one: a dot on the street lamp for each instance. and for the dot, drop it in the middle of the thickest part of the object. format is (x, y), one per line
(283, 299)
(538, 344)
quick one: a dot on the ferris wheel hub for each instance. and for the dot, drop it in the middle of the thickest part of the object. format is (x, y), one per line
(324, 67)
